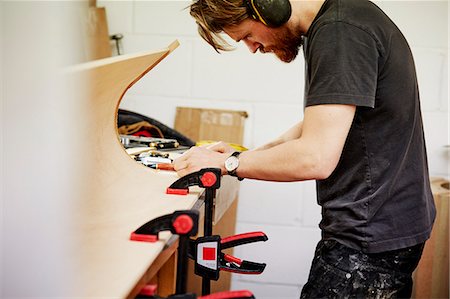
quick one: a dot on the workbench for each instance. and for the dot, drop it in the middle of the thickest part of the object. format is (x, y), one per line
(119, 194)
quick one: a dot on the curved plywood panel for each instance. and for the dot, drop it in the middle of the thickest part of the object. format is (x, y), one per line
(118, 194)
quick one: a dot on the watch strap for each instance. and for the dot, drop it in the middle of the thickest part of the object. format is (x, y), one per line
(233, 172)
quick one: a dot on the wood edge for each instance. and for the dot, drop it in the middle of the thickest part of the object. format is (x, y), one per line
(173, 45)
(116, 59)
(165, 52)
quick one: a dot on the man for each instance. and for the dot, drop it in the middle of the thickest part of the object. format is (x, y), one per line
(361, 139)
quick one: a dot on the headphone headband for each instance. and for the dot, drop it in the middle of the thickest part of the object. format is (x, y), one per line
(272, 13)
(256, 15)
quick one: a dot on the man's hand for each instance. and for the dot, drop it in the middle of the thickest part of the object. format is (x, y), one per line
(221, 147)
(196, 158)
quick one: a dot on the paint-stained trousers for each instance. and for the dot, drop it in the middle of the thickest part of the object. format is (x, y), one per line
(341, 272)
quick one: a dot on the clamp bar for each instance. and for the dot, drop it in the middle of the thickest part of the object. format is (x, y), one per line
(208, 178)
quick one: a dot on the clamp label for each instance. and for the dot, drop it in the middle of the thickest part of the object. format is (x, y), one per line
(207, 255)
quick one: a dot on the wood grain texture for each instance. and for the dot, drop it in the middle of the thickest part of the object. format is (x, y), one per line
(118, 194)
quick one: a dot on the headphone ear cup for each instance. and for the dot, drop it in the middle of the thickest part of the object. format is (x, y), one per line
(272, 13)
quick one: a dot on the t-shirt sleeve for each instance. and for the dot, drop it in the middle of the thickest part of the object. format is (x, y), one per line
(342, 66)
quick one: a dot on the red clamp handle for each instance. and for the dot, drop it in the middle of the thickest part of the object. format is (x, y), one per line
(241, 239)
(230, 295)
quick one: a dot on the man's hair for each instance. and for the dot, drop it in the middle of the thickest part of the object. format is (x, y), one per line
(212, 16)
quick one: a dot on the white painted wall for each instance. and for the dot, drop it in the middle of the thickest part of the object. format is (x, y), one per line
(39, 177)
(1, 144)
(272, 94)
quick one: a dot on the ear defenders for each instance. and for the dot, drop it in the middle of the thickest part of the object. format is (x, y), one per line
(272, 13)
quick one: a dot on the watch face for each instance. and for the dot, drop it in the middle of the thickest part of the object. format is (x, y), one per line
(231, 163)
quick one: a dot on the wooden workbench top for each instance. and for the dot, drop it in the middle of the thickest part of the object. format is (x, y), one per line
(118, 195)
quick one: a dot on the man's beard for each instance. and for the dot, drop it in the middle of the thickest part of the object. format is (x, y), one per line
(286, 46)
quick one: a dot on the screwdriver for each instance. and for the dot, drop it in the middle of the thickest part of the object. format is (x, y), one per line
(162, 166)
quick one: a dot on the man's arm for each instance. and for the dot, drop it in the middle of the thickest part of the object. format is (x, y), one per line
(314, 155)
(293, 133)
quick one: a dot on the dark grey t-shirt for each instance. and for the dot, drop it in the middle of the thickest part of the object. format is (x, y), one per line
(378, 198)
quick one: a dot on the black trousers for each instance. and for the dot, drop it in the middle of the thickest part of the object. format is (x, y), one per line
(341, 272)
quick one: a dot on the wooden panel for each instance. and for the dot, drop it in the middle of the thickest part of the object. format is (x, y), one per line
(118, 194)
(431, 278)
(97, 34)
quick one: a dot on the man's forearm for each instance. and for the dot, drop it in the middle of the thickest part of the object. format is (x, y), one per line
(293, 133)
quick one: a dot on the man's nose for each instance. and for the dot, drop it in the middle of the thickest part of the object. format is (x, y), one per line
(252, 46)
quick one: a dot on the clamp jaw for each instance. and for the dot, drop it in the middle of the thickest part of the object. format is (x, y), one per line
(208, 178)
(183, 222)
(233, 264)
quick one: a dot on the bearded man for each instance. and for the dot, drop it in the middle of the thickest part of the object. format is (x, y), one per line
(361, 137)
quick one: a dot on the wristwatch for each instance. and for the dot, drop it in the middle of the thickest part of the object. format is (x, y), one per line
(232, 163)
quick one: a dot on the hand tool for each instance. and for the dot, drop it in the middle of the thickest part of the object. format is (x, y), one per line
(147, 161)
(183, 223)
(164, 144)
(162, 166)
(153, 157)
(156, 143)
(208, 248)
(208, 178)
(154, 154)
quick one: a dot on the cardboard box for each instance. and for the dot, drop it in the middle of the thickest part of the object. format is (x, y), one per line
(211, 124)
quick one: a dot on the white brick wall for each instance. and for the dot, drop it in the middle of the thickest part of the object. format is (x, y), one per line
(271, 92)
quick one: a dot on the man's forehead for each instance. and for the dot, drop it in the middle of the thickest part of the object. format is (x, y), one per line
(238, 31)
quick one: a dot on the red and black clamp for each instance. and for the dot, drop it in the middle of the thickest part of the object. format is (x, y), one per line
(208, 178)
(209, 258)
(183, 223)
